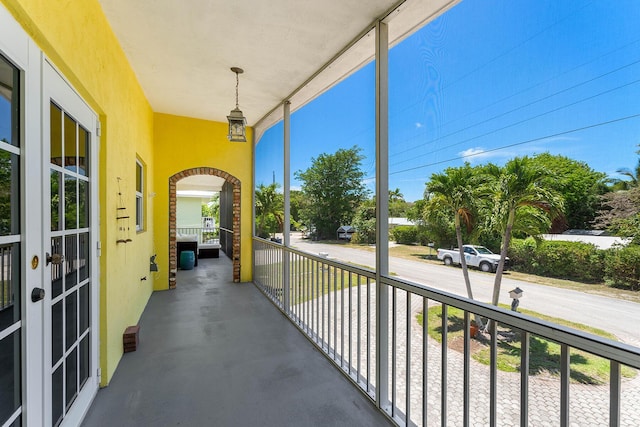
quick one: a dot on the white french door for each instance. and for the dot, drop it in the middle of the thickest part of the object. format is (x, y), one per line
(70, 241)
(48, 240)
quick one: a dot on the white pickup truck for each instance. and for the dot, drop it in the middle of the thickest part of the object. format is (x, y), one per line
(476, 256)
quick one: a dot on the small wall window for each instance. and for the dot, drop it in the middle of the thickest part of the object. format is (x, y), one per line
(139, 199)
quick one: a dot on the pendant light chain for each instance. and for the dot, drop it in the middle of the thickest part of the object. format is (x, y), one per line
(237, 84)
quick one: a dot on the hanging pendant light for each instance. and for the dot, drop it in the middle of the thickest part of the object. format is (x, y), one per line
(237, 121)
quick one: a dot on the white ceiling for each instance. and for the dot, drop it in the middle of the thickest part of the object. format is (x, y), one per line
(200, 183)
(182, 51)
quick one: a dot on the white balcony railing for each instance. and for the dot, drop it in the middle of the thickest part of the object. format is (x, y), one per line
(202, 235)
(426, 381)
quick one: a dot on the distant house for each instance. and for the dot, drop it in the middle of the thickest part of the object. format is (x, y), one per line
(599, 238)
(396, 221)
(345, 232)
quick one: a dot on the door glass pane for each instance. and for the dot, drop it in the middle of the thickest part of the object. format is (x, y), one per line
(83, 257)
(56, 269)
(83, 204)
(9, 284)
(57, 401)
(84, 309)
(9, 193)
(70, 203)
(83, 151)
(56, 332)
(71, 319)
(9, 103)
(84, 360)
(55, 122)
(70, 151)
(70, 261)
(72, 376)
(9, 375)
(56, 195)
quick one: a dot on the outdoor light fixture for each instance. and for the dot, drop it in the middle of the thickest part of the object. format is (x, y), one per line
(237, 122)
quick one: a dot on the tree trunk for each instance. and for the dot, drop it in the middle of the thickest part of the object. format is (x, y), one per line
(465, 269)
(506, 239)
(463, 261)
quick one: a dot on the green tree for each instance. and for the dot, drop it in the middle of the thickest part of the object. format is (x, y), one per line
(580, 187)
(297, 202)
(434, 226)
(364, 222)
(398, 206)
(620, 213)
(519, 196)
(454, 191)
(269, 209)
(416, 213)
(211, 209)
(334, 189)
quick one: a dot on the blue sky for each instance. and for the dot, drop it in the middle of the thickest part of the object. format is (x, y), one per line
(487, 81)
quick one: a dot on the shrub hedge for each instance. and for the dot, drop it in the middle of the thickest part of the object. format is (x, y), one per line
(405, 234)
(622, 267)
(565, 260)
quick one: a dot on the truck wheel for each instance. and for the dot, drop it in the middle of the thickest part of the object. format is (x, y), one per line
(447, 260)
(486, 267)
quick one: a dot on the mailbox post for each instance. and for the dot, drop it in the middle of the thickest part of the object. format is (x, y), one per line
(515, 294)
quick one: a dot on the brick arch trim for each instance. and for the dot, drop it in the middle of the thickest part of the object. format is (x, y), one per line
(173, 180)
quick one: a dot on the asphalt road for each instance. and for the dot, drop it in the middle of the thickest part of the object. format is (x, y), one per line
(614, 315)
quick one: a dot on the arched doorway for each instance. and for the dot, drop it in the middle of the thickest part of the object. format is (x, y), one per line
(235, 215)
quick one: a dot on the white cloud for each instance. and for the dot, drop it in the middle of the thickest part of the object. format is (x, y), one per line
(472, 152)
(418, 125)
(475, 153)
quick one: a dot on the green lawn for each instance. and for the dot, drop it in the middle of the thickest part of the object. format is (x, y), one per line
(328, 279)
(544, 355)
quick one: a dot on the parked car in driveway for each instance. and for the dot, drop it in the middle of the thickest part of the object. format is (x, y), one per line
(475, 256)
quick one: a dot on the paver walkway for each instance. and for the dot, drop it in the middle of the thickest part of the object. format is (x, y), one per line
(589, 405)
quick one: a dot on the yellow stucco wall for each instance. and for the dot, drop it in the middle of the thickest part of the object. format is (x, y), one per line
(182, 143)
(80, 42)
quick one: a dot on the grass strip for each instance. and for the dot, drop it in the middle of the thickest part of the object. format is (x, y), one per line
(544, 354)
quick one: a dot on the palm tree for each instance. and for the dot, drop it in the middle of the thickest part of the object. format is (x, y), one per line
(633, 175)
(454, 190)
(269, 204)
(519, 196)
(395, 196)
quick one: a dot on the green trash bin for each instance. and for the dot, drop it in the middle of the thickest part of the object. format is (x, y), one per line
(187, 260)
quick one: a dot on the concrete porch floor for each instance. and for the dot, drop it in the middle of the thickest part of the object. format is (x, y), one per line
(215, 353)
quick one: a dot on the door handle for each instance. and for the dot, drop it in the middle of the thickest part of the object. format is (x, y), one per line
(55, 259)
(37, 294)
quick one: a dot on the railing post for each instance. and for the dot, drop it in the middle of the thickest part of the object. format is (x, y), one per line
(286, 220)
(253, 207)
(614, 394)
(382, 213)
(565, 384)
